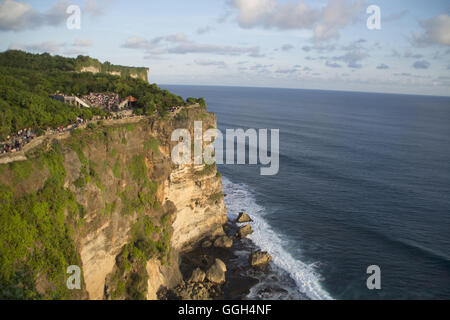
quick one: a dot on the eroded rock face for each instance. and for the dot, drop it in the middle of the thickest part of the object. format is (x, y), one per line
(244, 231)
(197, 275)
(216, 273)
(243, 217)
(98, 254)
(162, 276)
(223, 242)
(259, 258)
(197, 214)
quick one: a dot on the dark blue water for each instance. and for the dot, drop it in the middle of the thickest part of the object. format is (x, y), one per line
(364, 180)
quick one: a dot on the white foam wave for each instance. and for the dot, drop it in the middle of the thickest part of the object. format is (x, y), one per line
(239, 198)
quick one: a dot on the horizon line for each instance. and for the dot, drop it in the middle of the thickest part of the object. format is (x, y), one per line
(315, 89)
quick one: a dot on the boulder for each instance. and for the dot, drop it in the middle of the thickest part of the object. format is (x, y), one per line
(197, 275)
(216, 273)
(244, 231)
(223, 242)
(191, 291)
(259, 258)
(243, 217)
(221, 265)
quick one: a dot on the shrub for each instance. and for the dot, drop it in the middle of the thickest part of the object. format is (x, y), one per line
(21, 169)
(152, 144)
(117, 169)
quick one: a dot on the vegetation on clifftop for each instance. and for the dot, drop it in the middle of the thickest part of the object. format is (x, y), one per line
(27, 80)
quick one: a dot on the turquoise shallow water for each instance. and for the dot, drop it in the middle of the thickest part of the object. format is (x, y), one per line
(364, 180)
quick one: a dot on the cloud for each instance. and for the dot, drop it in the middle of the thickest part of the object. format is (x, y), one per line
(18, 16)
(325, 22)
(256, 55)
(261, 68)
(355, 45)
(136, 43)
(409, 54)
(437, 32)
(206, 62)
(382, 67)
(438, 55)
(193, 47)
(14, 15)
(175, 38)
(403, 74)
(82, 42)
(336, 15)
(287, 47)
(332, 64)
(422, 64)
(75, 52)
(38, 47)
(286, 71)
(180, 44)
(204, 30)
(153, 46)
(319, 48)
(95, 9)
(352, 58)
(395, 54)
(396, 16)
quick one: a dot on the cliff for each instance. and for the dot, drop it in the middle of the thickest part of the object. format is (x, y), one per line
(88, 64)
(45, 63)
(110, 200)
(142, 74)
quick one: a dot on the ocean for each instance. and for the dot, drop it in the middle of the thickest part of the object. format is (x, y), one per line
(364, 180)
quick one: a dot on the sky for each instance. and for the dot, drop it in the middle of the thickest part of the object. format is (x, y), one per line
(321, 44)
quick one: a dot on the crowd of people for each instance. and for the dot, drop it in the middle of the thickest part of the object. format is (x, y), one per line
(106, 101)
(173, 109)
(17, 141)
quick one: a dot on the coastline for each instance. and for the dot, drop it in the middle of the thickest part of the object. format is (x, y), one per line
(242, 280)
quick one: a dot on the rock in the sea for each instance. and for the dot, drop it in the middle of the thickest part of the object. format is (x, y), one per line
(221, 265)
(223, 242)
(259, 258)
(244, 231)
(197, 275)
(216, 274)
(243, 217)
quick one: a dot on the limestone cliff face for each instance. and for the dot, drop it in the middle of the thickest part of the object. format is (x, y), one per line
(122, 177)
(197, 213)
(195, 191)
(140, 75)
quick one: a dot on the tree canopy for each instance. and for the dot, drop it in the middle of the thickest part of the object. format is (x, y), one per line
(27, 80)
